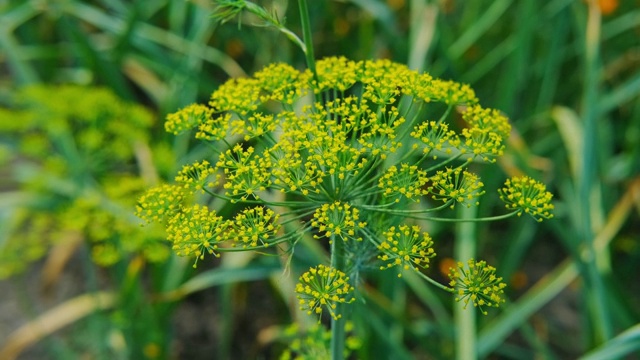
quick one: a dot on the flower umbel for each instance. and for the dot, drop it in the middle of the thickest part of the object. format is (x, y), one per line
(406, 247)
(477, 283)
(527, 195)
(456, 185)
(323, 287)
(160, 203)
(196, 230)
(187, 118)
(197, 176)
(254, 226)
(339, 219)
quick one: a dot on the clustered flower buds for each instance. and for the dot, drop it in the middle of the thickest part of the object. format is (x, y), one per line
(524, 194)
(324, 287)
(346, 151)
(477, 283)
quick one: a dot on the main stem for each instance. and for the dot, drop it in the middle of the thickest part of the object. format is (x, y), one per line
(337, 326)
(465, 319)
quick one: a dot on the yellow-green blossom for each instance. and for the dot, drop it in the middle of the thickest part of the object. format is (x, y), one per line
(323, 287)
(198, 176)
(313, 342)
(334, 73)
(253, 227)
(160, 203)
(477, 283)
(239, 96)
(195, 231)
(456, 185)
(246, 173)
(527, 195)
(281, 82)
(434, 136)
(187, 118)
(337, 219)
(406, 247)
(407, 182)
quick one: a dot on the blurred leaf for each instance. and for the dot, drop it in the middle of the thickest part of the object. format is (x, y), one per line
(220, 276)
(53, 320)
(624, 344)
(570, 129)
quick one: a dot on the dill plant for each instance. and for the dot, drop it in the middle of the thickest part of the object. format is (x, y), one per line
(348, 151)
(75, 160)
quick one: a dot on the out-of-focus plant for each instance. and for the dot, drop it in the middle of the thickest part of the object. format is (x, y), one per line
(76, 156)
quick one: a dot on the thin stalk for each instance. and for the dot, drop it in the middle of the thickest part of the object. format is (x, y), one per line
(465, 319)
(337, 326)
(306, 37)
(597, 294)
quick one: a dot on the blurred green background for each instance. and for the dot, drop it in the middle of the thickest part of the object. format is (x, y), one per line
(85, 86)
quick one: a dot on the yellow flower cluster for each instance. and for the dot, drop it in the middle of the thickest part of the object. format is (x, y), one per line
(486, 133)
(477, 283)
(407, 182)
(352, 137)
(406, 247)
(527, 195)
(435, 136)
(313, 342)
(246, 174)
(214, 128)
(197, 176)
(285, 88)
(161, 203)
(253, 226)
(239, 96)
(337, 73)
(337, 219)
(451, 92)
(196, 230)
(323, 287)
(456, 185)
(187, 118)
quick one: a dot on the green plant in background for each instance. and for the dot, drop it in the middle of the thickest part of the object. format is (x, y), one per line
(77, 150)
(360, 154)
(79, 158)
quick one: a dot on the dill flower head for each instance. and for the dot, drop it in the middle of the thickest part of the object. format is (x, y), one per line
(407, 182)
(214, 127)
(450, 92)
(313, 342)
(435, 137)
(160, 203)
(239, 96)
(334, 73)
(456, 185)
(254, 226)
(196, 230)
(281, 82)
(524, 194)
(339, 219)
(323, 287)
(406, 247)
(477, 283)
(246, 172)
(187, 118)
(197, 176)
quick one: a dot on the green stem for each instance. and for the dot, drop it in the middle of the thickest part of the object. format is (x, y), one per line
(306, 36)
(596, 289)
(337, 326)
(465, 319)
